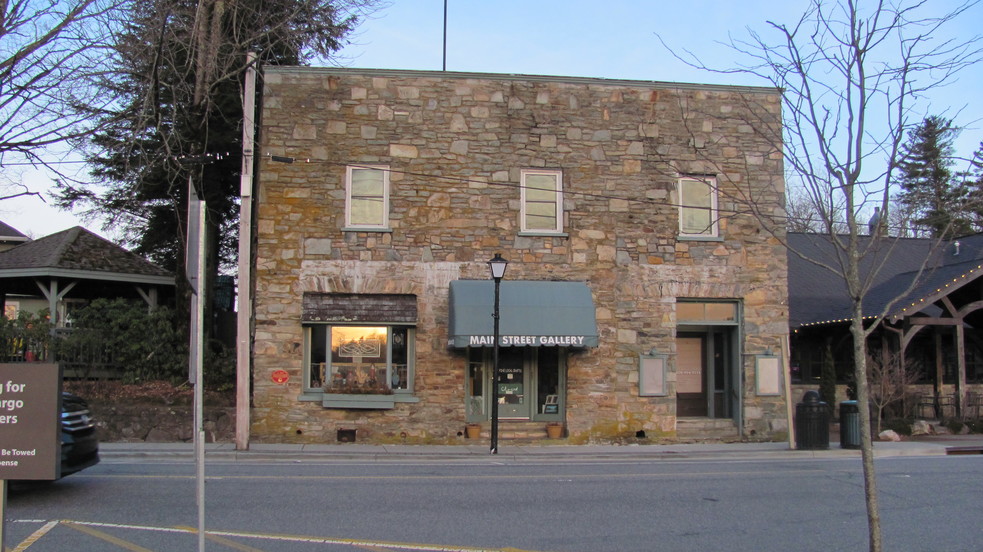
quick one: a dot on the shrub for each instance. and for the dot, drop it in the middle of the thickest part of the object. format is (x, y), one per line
(144, 344)
(901, 426)
(954, 426)
(975, 426)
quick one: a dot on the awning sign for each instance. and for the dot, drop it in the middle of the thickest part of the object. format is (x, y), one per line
(532, 314)
(528, 340)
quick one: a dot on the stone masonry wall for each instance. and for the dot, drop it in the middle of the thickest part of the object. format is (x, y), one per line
(455, 144)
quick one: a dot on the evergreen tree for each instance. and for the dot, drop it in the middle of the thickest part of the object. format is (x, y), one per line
(974, 183)
(179, 65)
(928, 186)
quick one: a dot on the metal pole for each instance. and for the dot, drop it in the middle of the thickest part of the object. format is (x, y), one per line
(3, 511)
(494, 404)
(445, 36)
(195, 266)
(198, 300)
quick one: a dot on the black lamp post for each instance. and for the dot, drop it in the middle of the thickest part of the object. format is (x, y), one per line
(497, 266)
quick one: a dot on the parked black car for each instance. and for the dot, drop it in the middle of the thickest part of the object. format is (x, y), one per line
(79, 445)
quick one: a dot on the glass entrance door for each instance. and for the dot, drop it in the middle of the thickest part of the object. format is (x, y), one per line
(513, 396)
(531, 384)
(691, 381)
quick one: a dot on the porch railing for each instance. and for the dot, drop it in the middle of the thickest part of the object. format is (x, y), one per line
(89, 358)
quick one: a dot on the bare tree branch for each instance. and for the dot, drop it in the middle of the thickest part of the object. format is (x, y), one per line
(51, 54)
(852, 74)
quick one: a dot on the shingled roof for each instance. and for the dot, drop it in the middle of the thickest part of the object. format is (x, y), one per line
(817, 296)
(79, 253)
(9, 234)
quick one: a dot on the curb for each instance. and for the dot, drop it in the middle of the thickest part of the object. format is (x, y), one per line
(527, 453)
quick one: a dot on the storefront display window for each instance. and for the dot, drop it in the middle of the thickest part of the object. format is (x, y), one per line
(359, 359)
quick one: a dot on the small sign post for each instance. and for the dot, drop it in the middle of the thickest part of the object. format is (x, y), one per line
(30, 430)
(195, 266)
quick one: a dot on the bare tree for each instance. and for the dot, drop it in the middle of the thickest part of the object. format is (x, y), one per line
(851, 74)
(802, 213)
(888, 381)
(901, 221)
(51, 53)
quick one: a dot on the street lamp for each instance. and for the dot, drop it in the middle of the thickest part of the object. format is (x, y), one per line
(497, 266)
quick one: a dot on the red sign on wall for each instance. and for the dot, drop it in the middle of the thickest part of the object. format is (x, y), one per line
(280, 376)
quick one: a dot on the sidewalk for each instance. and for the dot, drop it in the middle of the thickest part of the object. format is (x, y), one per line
(931, 446)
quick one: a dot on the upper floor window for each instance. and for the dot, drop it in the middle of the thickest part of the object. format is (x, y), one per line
(542, 201)
(367, 197)
(698, 207)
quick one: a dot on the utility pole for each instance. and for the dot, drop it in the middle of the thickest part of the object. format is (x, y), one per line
(245, 298)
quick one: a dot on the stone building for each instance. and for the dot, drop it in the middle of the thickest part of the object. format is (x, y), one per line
(642, 300)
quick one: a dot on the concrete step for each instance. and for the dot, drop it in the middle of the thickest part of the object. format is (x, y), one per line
(706, 429)
(516, 430)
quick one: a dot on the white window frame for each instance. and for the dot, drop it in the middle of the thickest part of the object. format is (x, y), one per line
(558, 202)
(711, 230)
(382, 225)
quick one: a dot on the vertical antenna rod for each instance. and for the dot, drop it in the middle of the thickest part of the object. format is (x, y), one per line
(445, 35)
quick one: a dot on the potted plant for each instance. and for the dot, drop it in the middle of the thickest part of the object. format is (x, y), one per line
(554, 430)
(473, 431)
(353, 392)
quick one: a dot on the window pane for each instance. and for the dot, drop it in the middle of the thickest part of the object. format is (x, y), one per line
(717, 312)
(476, 384)
(697, 201)
(367, 197)
(541, 194)
(689, 311)
(319, 355)
(536, 183)
(368, 211)
(400, 376)
(358, 360)
(548, 383)
(696, 222)
(367, 182)
(721, 312)
(540, 223)
(541, 216)
(541, 210)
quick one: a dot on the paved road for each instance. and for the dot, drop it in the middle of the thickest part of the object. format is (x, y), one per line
(575, 503)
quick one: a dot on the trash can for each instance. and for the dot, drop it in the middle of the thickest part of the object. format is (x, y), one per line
(849, 425)
(811, 423)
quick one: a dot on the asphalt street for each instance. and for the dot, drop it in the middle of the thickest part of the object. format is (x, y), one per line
(352, 497)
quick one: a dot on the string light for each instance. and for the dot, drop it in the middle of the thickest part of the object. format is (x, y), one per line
(903, 309)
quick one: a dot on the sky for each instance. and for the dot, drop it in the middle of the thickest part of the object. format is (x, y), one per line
(617, 39)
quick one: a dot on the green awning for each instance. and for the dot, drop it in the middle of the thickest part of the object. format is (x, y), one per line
(532, 314)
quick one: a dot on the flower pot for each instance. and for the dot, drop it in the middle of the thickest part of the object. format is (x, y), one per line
(554, 430)
(473, 431)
